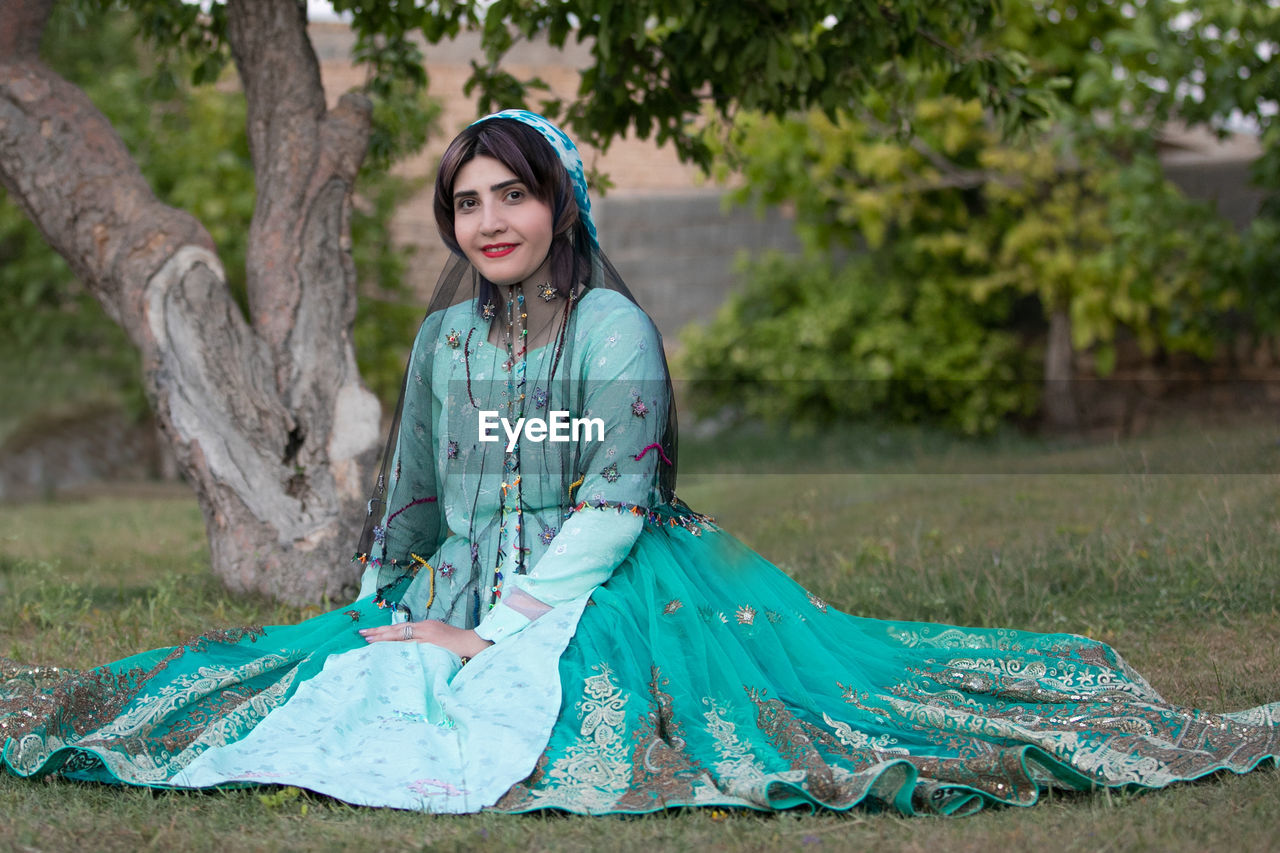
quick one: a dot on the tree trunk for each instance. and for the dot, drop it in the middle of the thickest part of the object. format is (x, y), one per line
(268, 418)
(1059, 394)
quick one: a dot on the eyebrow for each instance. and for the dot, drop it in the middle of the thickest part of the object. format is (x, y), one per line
(492, 189)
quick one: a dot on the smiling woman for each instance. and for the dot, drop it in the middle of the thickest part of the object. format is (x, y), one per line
(502, 228)
(497, 204)
(547, 626)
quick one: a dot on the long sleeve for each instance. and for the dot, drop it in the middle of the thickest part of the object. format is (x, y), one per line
(411, 522)
(626, 389)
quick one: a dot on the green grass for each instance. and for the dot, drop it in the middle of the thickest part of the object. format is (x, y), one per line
(1179, 570)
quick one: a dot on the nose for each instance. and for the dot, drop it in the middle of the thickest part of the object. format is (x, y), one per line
(491, 220)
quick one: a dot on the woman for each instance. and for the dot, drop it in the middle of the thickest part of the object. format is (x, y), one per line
(542, 625)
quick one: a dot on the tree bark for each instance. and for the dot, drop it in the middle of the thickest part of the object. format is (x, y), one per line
(1060, 411)
(268, 419)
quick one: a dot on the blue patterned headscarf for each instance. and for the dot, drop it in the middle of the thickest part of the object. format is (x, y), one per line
(569, 156)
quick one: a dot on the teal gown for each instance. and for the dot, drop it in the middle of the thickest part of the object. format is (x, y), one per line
(647, 660)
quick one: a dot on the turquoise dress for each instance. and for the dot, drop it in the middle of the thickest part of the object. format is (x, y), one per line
(646, 660)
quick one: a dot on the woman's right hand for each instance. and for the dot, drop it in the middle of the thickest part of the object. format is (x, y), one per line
(463, 642)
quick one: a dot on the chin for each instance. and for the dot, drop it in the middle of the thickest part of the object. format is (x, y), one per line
(500, 274)
(502, 280)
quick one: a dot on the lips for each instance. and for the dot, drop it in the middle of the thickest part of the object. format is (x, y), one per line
(498, 250)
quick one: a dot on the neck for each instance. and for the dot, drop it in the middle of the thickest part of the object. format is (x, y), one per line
(543, 314)
(538, 317)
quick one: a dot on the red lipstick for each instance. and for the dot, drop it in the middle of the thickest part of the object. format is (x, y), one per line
(498, 250)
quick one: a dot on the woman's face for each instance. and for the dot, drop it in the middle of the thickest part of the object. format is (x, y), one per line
(502, 228)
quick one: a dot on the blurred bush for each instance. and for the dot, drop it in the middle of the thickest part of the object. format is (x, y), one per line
(962, 269)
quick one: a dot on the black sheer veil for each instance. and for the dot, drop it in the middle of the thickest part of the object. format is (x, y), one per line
(406, 521)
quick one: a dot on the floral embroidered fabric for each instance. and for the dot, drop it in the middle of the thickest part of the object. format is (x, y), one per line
(704, 676)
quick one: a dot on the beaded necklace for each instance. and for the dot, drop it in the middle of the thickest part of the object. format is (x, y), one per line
(515, 367)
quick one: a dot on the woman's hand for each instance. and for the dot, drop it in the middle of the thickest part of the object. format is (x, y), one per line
(462, 642)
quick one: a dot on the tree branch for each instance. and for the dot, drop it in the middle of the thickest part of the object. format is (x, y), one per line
(273, 428)
(301, 278)
(154, 270)
(22, 24)
(297, 148)
(63, 162)
(951, 176)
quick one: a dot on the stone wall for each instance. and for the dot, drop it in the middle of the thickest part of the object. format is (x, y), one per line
(677, 251)
(1223, 182)
(56, 452)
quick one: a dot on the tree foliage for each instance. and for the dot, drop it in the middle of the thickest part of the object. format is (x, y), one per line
(656, 65)
(1074, 222)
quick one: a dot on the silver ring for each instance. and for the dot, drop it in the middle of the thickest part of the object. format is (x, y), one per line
(408, 631)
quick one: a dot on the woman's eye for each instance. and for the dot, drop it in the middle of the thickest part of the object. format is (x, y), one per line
(515, 195)
(466, 203)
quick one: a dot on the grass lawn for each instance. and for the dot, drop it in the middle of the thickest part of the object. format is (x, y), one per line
(1167, 547)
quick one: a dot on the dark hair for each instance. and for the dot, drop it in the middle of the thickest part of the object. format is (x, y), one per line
(524, 151)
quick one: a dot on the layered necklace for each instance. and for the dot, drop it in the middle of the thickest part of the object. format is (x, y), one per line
(516, 341)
